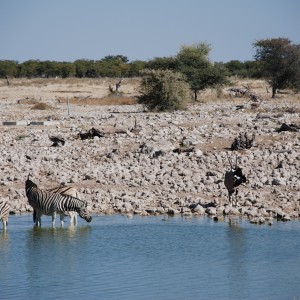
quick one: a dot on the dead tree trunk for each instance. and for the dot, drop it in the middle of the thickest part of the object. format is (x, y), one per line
(7, 80)
(274, 91)
(195, 95)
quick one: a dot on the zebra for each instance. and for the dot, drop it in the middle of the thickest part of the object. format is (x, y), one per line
(64, 190)
(71, 191)
(48, 203)
(4, 212)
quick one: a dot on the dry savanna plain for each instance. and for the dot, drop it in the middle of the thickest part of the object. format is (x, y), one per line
(151, 163)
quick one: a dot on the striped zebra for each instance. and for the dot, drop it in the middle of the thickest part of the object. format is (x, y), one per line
(64, 190)
(4, 212)
(48, 203)
(71, 191)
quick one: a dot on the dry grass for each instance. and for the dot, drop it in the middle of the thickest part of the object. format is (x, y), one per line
(42, 106)
(27, 101)
(67, 81)
(108, 100)
(287, 109)
(89, 91)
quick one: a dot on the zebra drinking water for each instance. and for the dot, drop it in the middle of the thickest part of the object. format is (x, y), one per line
(71, 191)
(64, 190)
(4, 212)
(48, 203)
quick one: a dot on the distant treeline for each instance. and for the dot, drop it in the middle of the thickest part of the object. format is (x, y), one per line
(109, 66)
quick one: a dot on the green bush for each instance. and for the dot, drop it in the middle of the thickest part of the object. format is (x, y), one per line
(164, 90)
(21, 137)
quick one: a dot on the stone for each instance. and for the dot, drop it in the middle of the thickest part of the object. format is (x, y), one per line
(211, 210)
(199, 209)
(276, 181)
(167, 182)
(173, 211)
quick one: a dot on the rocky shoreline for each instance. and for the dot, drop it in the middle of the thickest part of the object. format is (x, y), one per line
(134, 167)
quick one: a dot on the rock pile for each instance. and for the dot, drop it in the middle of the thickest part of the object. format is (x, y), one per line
(138, 172)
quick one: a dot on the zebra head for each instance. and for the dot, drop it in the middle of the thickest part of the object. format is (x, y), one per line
(29, 184)
(84, 214)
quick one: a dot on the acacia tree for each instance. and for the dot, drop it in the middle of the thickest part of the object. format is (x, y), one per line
(8, 68)
(246, 69)
(135, 67)
(280, 60)
(200, 73)
(163, 63)
(66, 69)
(82, 67)
(30, 68)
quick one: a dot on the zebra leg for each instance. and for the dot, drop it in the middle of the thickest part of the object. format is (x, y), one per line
(73, 217)
(38, 217)
(53, 219)
(4, 222)
(62, 216)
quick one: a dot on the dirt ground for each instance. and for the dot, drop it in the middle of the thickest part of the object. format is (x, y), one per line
(80, 104)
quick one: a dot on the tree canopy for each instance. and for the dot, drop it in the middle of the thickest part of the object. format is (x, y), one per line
(164, 90)
(194, 63)
(280, 62)
(109, 66)
(277, 60)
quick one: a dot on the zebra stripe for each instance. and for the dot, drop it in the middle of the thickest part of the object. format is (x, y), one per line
(71, 191)
(4, 213)
(47, 203)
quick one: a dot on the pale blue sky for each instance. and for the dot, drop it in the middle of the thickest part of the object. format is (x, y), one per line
(66, 30)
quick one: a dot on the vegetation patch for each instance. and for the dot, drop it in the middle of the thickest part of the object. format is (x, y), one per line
(108, 100)
(41, 106)
(21, 137)
(287, 109)
(164, 90)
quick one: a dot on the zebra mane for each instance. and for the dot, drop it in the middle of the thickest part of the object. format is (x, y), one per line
(31, 182)
(69, 197)
(65, 196)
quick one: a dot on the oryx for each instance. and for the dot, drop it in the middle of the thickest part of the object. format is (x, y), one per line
(233, 178)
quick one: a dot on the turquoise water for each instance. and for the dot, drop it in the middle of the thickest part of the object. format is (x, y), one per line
(116, 257)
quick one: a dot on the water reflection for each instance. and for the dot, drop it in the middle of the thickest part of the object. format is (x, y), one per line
(51, 236)
(4, 254)
(147, 258)
(3, 239)
(59, 247)
(237, 271)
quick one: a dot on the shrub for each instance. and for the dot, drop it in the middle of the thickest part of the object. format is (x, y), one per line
(21, 137)
(164, 90)
(41, 106)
